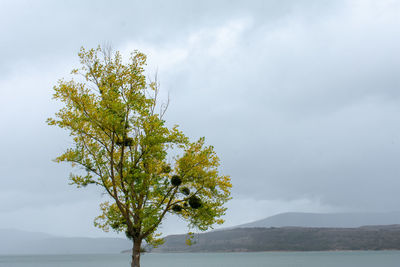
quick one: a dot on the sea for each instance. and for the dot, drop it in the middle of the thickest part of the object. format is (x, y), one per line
(237, 259)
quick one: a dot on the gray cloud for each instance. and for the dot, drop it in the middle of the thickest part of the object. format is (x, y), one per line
(307, 110)
(300, 98)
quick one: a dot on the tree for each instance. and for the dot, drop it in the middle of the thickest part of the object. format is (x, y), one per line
(122, 144)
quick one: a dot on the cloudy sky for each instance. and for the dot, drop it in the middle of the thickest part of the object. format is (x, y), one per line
(301, 100)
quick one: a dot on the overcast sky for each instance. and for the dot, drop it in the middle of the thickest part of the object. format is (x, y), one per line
(301, 100)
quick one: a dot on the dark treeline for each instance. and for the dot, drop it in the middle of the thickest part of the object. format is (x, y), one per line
(288, 239)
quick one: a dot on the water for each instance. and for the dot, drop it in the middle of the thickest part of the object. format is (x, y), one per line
(256, 259)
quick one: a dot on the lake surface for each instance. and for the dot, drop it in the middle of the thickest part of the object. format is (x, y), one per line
(256, 259)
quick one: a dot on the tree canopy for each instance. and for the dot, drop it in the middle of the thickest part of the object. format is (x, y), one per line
(123, 144)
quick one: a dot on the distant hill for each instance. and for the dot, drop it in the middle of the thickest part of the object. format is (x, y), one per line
(23, 242)
(286, 231)
(288, 239)
(326, 220)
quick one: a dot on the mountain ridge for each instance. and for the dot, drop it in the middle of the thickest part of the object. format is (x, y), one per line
(298, 231)
(281, 227)
(385, 237)
(14, 242)
(345, 220)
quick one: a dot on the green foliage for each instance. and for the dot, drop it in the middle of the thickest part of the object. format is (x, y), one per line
(122, 143)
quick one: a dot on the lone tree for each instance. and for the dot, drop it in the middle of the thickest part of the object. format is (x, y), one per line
(122, 144)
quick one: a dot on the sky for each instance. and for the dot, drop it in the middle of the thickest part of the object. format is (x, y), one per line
(301, 100)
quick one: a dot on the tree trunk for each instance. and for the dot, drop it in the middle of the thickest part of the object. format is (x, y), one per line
(136, 253)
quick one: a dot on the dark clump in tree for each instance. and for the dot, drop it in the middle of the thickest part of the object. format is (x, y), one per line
(185, 191)
(177, 208)
(128, 235)
(166, 169)
(194, 202)
(176, 180)
(127, 141)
